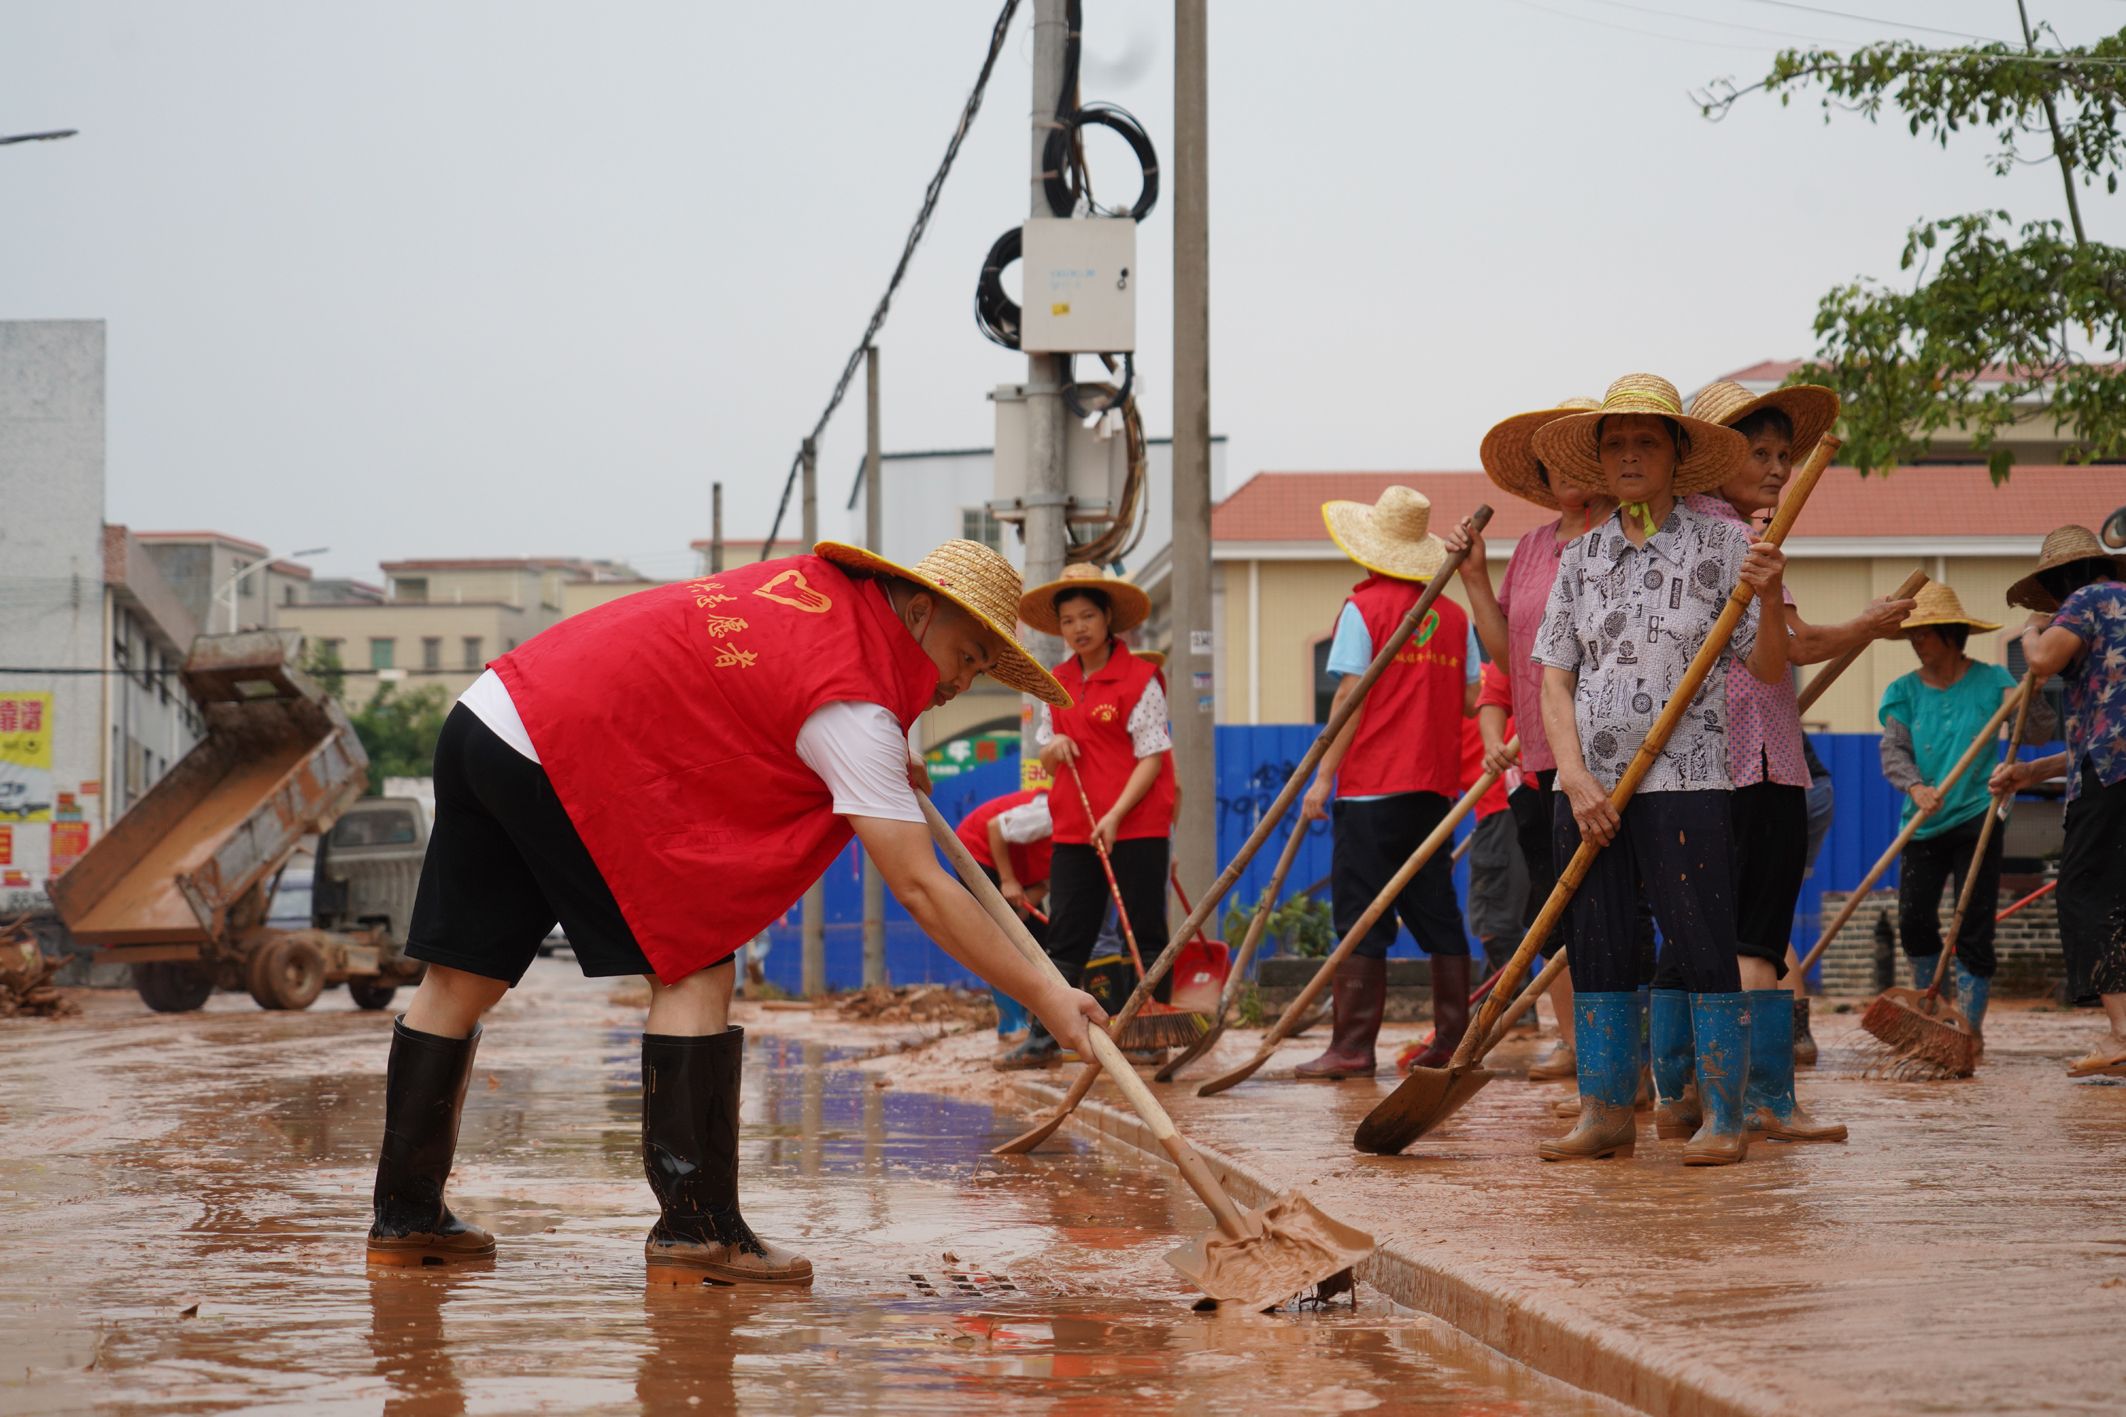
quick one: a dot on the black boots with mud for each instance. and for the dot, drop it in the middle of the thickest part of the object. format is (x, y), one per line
(690, 1154)
(1361, 987)
(424, 1095)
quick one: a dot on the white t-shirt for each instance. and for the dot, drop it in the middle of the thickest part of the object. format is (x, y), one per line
(857, 749)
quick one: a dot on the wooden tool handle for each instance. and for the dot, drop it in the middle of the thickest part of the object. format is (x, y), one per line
(1882, 863)
(1642, 762)
(1827, 675)
(1107, 868)
(1259, 923)
(1102, 1047)
(1996, 812)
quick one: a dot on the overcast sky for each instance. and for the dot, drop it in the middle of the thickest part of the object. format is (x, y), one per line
(502, 278)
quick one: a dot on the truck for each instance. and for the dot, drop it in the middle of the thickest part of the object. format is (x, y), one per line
(180, 886)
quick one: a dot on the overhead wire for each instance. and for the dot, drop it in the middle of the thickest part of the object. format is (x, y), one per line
(1876, 20)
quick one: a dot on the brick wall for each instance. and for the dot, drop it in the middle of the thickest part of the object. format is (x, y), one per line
(2027, 943)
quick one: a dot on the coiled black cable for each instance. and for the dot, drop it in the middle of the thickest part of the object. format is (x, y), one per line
(995, 313)
(1065, 177)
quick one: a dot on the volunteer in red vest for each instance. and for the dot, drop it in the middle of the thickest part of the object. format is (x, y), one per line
(664, 775)
(1115, 741)
(1395, 771)
(1008, 837)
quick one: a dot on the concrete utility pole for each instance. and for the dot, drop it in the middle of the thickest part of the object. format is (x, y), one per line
(1045, 481)
(874, 540)
(812, 915)
(1194, 660)
(715, 528)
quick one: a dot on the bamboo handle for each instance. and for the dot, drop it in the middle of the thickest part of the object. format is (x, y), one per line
(1258, 925)
(1994, 813)
(1642, 762)
(1830, 672)
(1107, 868)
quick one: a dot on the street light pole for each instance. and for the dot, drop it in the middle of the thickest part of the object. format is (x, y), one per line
(229, 588)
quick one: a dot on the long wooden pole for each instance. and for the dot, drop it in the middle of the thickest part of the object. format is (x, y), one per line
(1828, 675)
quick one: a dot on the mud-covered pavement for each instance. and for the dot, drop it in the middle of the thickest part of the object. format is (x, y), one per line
(183, 1198)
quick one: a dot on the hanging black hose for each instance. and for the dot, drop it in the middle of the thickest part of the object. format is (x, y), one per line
(996, 314)
(1065, 177)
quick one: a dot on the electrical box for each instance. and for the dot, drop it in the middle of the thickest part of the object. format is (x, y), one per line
(1095, 467)
(1078, 282)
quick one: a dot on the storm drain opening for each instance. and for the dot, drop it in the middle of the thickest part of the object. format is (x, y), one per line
(962, 1284)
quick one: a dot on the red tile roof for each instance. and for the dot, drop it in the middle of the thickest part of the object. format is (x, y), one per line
(1912, 501)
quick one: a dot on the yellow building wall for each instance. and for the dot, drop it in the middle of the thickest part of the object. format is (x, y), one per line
(579, 596)
(407, 624)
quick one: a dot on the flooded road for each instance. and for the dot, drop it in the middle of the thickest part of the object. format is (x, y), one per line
(183, 1200)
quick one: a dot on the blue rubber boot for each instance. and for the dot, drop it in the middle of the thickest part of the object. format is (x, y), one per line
(1609, 1028)
(1972, 995)
(1643, 1096)
(1768, 1097)
(1676, 1092)
(1720, 1031)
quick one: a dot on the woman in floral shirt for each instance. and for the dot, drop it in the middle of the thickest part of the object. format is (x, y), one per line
(2080, 634)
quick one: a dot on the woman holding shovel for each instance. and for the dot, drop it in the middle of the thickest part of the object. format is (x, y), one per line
(1632, 602)
(1113, 742)
(2079, 633)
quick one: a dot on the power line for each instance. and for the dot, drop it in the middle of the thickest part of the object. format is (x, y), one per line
(1635, 29)
(1702, 20)
(1873, 20)
(915, 236)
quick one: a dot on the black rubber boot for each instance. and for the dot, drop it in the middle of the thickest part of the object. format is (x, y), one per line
(690, 1154)
(1361, 992)
(424, 1095)
(1450, 1010)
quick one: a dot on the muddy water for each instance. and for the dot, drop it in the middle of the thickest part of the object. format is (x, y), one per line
(182, 1201)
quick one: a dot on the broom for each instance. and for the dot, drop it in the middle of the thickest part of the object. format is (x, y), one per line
(1926, 1036)
(1156, 1026)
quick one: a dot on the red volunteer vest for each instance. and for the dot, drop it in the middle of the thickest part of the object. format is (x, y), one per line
(1409, 735)
(1098, 722)
(667, 722)
(1493, 684)
(1029, 860)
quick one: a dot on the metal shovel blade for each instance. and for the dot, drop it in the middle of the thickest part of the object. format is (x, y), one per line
(1424, 1099)
(1294, 1247)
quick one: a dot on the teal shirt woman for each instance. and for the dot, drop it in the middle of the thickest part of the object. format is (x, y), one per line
(1936, 725)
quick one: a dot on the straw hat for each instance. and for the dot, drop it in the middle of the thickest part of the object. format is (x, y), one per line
(1811, 408)
(1936, 604)
(2063, 547)
(1127, 606)
(978, 581)
(1393, 537)
(1156, 658)
(1508, 460)
(1567, 445)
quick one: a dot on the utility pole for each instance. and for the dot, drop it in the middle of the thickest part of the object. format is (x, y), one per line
(1194, 659)
(715, 528)
(1045, 481)
(874, 540)
(812, 914)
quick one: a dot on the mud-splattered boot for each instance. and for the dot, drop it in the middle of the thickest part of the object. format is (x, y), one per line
(1768, 1099)
(1972, 996)
(1038, 1049)
(1608, 1032)
(424, 1096)
(1450, 1010)
(690, 1154)
(1720, 1032)
(1675, 1091)
(1361, 987)
(1804, 1041)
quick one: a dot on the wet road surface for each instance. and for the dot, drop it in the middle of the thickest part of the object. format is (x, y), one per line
(182, 1202)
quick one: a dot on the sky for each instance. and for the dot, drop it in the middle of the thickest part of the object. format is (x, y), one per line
(510, 277)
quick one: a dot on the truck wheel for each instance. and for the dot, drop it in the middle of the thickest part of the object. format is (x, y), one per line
(371, 993)
(173, 986)
(287, 974)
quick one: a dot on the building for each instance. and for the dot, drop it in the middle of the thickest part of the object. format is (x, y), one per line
(225, 583)
(2036, 439)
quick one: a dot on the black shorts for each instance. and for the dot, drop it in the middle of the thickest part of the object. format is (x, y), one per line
(504, 864)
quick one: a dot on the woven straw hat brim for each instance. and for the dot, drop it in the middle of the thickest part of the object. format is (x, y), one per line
(1567, 447)
(2064, 546)
(1127, 606)
(1937, 604)
(1811, 408)
(1014, 668)
(1353, 528)
(1510, 461)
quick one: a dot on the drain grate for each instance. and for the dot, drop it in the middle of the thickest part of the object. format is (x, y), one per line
(962, 1284)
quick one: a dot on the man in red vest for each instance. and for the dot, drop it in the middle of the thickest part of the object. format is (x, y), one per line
(665, 775)
(1396, 770)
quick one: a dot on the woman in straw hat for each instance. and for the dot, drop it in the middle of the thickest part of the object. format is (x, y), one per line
(665, 775)
(1633, 602)
(1507, 620)
(1395, 771)
(2079, 633)
(1929, 717)
(1114, 742)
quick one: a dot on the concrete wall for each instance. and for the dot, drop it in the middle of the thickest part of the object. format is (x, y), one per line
(498, 627)
(52, 600)
(579, 596)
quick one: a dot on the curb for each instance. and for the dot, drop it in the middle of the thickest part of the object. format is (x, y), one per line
(1554, 1341)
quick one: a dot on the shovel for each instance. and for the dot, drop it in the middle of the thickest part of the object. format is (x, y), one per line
(1041, 1131)
(1254, 1259)
(1428, 1096)
(1256, 928)
(1297, 1009)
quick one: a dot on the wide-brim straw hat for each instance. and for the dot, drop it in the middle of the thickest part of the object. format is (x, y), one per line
(2063, 547)
(1568, 448)
(1811, 408)
(1936, 604)
(1511, 463)
(978, 581)
(1392, 537)
(1156, 658)
(1127, 606)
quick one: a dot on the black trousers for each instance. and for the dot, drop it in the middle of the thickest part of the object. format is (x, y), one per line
(1078, 899)
(1372, 841)
(1770, 826)
(2093, 890)
(1674, 849)
(1531, 823)
(1928, 865)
